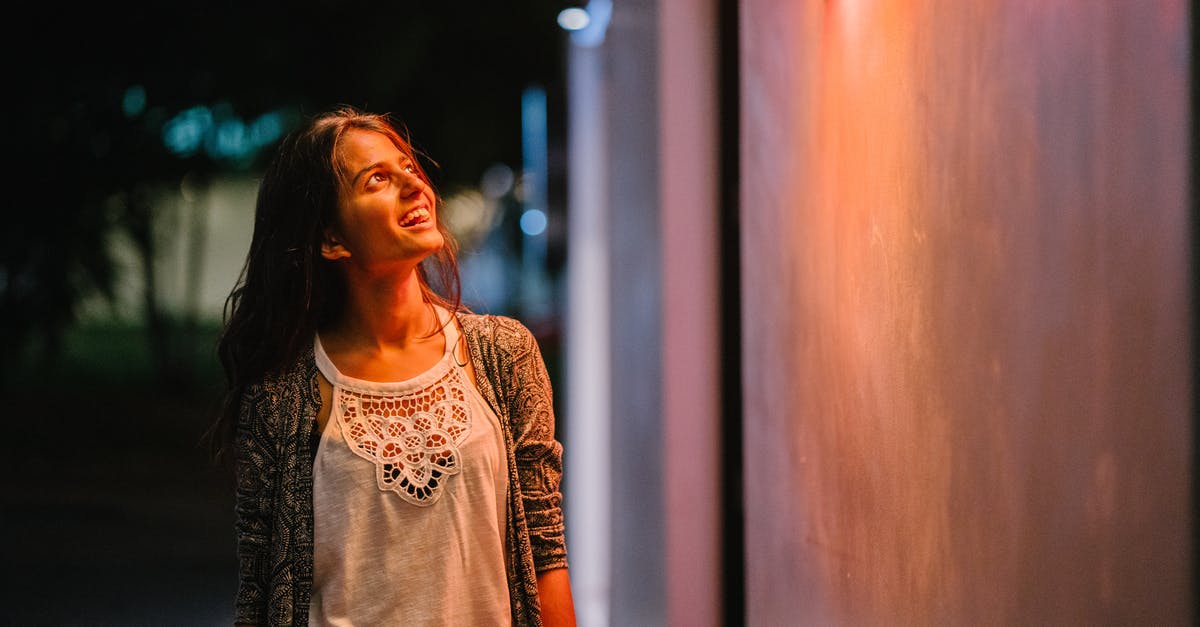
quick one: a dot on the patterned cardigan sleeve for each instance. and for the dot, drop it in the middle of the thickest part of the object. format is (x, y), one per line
(538, 453)
(255, 481)
(273, 493)
(523, 386)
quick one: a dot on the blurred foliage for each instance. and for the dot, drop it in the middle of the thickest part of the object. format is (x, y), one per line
(87, 164)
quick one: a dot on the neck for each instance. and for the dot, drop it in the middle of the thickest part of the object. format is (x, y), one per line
(385, 311)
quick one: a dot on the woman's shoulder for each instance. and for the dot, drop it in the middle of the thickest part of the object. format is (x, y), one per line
(295, 373)
(505, 334)
(491, 322)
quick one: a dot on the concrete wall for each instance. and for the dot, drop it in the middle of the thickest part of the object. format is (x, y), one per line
(967, 307)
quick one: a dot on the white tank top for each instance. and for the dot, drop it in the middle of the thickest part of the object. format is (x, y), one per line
(409, 501)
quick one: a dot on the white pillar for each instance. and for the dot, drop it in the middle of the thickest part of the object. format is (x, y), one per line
(588, 457)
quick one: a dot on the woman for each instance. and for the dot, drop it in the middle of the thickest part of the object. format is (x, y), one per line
(395, 456)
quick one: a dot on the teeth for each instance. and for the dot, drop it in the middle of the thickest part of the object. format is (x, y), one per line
(415, 216)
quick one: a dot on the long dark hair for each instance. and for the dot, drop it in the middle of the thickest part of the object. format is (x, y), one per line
(287, 290)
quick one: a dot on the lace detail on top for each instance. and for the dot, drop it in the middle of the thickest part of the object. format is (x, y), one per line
(412, 438)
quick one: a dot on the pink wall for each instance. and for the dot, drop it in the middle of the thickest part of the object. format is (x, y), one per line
(966, 310)
(691, 384)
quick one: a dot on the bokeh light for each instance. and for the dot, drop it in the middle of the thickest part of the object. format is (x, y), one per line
(574, 19)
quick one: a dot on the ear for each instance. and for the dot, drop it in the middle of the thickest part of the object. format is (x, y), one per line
(332, 248)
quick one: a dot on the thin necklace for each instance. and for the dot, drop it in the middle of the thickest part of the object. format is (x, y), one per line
(457, 342)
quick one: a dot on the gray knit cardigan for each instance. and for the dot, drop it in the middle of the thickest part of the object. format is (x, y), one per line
(275, 446)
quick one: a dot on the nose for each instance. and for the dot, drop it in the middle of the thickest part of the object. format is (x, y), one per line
(412, 185)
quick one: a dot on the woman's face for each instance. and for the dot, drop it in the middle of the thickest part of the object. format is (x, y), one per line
(387, 218)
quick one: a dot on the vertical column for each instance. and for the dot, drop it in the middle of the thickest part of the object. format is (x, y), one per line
(587, 459)
(636, 248)
(689, 192)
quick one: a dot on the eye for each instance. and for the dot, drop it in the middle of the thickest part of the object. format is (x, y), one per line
(410, 168)
(375, 180)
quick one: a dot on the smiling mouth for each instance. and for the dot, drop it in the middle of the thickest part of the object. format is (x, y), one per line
(420, 215)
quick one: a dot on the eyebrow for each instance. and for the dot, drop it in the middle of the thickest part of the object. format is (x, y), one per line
(358, 175)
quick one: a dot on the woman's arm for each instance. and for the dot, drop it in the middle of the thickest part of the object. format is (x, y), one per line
(530, 403)
(554, 595)
(539, 467)
(254, 484)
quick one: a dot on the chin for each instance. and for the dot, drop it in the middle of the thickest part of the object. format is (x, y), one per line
(433, 242)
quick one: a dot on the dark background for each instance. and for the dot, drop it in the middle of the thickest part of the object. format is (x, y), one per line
(111, 511)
